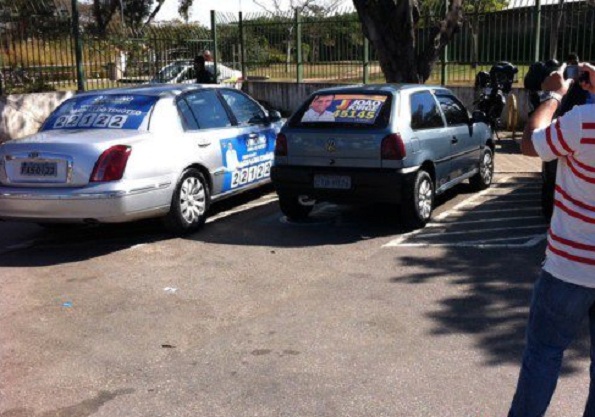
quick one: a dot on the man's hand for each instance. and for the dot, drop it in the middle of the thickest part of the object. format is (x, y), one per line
(556, 83)
(590, 69)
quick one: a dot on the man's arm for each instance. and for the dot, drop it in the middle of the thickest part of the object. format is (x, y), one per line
(543, 115)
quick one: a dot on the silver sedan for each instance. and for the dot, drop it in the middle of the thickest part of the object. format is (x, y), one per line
(127, 154)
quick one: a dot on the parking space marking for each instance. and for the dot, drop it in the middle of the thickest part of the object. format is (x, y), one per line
(467, 232)
(244, 207)
(439, 224)
(502, 192)
(530, 241)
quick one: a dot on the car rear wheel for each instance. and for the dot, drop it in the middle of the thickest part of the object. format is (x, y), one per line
(418, 201)
(189, 204)
(483, 179)
(295, 207)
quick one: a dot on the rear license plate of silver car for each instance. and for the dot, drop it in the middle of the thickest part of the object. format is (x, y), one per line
(338, 182)
(39, 169)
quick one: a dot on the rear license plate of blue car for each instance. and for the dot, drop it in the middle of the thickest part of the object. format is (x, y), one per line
(39, 169)
(337, 182)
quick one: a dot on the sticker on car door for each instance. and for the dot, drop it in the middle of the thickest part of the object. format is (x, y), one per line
(247, 159)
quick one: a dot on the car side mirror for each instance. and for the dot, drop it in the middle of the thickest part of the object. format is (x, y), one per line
(274, 116)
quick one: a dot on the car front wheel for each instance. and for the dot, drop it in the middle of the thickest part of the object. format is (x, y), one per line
(189, 204)
(418, 201)
(483, 179)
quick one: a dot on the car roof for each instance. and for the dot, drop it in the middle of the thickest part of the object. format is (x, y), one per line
(379, 88)
(154, 90)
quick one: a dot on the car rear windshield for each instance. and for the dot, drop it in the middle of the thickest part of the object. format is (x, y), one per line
(102, 111)
(344, 110)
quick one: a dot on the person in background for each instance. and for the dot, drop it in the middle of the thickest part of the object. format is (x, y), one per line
(207, 55)
(203, 76)
(564, 294)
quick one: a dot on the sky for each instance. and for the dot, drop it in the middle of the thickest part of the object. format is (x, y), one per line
(201, 10)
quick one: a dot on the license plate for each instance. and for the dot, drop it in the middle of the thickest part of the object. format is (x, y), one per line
(338, 182)
(39, 169)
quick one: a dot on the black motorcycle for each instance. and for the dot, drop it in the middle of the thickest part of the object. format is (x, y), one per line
(493, 88)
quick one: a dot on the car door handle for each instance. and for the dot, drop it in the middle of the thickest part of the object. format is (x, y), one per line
(454, 140)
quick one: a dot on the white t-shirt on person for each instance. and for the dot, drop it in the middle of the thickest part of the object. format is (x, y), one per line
(570, 254)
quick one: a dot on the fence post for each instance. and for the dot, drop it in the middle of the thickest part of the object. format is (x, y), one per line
(366, 62)
(78, 47)
(444, 58)
(537, 17)
(242, 56)
(298, 46)
(214, 36)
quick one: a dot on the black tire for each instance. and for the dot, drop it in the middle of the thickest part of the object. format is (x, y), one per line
(189, 204)
(292, 208)
(418, 201)
(483, 179)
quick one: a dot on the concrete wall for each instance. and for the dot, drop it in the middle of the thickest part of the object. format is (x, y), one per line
(288, 96)
(23, 114)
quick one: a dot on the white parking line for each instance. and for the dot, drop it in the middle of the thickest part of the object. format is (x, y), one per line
(482, 244)
(505, 219)
(468, 232)
(472, 205)
(242, 208)
(502, 210)
(481, 203)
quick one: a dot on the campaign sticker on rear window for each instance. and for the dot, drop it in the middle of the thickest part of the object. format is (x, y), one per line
(344, 108)
(106, 111)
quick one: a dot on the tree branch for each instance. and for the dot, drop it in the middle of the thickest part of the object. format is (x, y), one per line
(441, 35)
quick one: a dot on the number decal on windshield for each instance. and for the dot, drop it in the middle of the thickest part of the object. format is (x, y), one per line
(117, 122)
(102, 120)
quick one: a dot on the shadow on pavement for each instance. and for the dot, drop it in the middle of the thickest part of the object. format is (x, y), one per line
(259, 226)
(493, 302)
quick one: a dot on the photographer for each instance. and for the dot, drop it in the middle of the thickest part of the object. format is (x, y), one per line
(564, 294)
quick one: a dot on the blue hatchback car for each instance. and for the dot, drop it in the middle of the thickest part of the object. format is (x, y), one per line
(399, 144)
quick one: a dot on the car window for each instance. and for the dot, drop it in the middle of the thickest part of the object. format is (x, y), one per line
(424, 112)
(208, 109)
(245, 110)
(189, 74)
(102, 111)
(453, 110)
(188, 120)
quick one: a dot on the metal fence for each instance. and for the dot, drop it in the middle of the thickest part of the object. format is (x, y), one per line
(40, 52)
(36, 57)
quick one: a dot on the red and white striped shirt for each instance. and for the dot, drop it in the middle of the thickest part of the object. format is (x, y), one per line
(570, 254)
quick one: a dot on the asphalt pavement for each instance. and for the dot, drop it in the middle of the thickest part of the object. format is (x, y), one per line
(341, 315)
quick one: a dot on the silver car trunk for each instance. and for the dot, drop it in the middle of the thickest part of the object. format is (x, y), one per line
(58, 158)
(359, 148)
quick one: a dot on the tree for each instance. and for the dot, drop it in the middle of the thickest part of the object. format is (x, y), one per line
(391, 26)
(318, 8)
(136, 13)
(474, 11)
